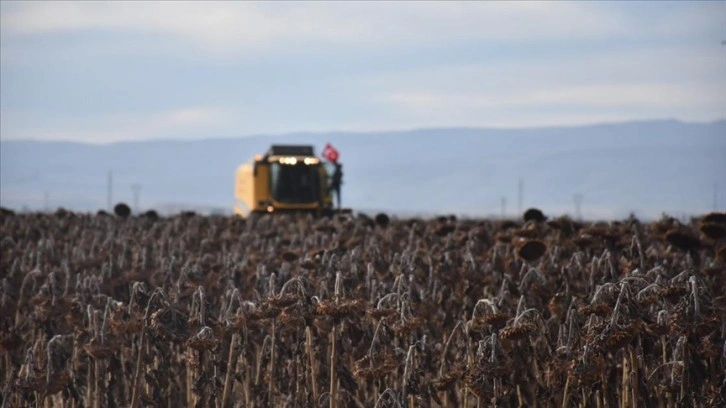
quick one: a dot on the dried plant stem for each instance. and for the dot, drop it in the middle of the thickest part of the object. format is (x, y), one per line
(98, 383)
(157, 367)
(566, 395)
(247, 386)
(201, 363)
(695, 296)
(259, 365)
(311, 358)
(637, 238)
(142, 338)
(190, 380)
(6, 369)
(633, 376)
(333, 377)
(520, 398)
(446, 347)
(258, 369)
(271, 389)
(231, 366)
(408, 371)
(124, 384)
(7, 376)
(625, 384)
(8, 398)
(137, 373)
(21, 298)
(466, 389)
(296, 386)
(684, 374)
(170, 393)
(89, 388)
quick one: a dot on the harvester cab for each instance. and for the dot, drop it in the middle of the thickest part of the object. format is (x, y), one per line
(288, 178)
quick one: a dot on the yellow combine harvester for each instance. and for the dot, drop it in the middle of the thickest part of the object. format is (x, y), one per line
(287, 178)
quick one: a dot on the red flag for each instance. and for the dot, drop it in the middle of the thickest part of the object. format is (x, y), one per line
(330, 153)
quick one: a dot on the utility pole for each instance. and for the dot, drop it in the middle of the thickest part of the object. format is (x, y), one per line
(578, 205)
(504, 207)
(46, 201)
(136, 190)
(520, 195)
(110, 191)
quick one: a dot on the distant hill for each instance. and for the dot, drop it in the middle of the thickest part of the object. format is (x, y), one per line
(647, 167)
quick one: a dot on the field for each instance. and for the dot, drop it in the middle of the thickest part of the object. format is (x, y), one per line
(351, 311)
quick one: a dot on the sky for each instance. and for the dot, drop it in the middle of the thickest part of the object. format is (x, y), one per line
(102, 72)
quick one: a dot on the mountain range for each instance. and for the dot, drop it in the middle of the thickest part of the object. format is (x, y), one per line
(647, 168)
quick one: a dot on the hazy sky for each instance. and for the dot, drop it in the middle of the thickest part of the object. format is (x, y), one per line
(110, 71)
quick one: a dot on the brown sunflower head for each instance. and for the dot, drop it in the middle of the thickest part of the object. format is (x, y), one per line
(531, 250)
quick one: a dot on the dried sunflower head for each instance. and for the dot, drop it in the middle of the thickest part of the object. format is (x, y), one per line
(341, 308)
(621, 337)
(382, 364)
(530, 249)
(101, 349)
(284, 300)
(598, 309)
(517, 332)
(496, 320)
(204, 340)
